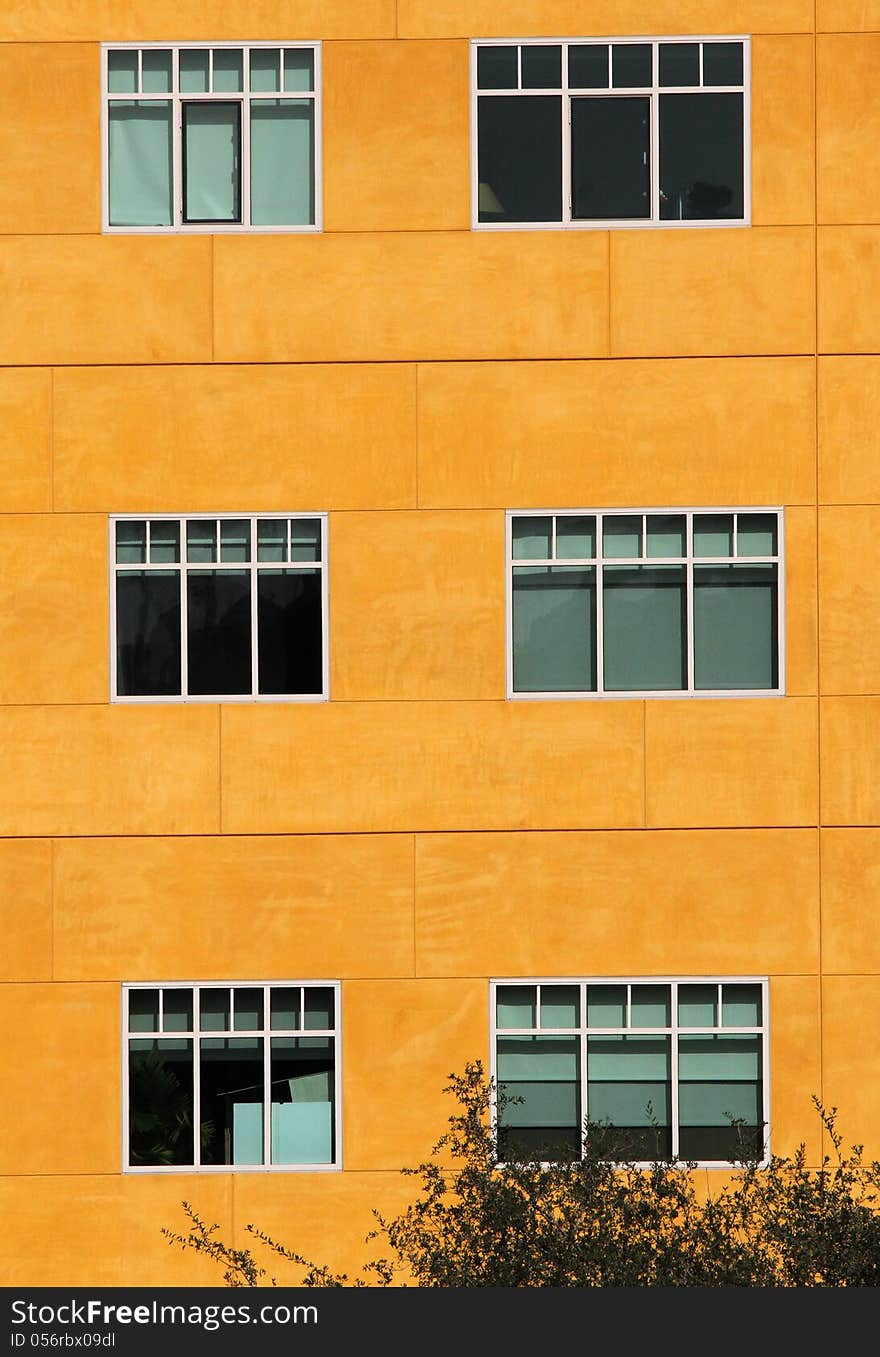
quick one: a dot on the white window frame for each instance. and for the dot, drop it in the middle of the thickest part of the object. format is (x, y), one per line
(183, 566)
(653, 223)
(673, 1031)
(177, 99)
(689, 560)
(266, 1032)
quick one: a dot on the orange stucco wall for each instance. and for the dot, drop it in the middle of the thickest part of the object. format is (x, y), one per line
(419, 834)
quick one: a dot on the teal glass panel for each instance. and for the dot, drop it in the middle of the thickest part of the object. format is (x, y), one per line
(164, 541)
(640, 1103)
(713, 534)
(156, 71)
(140, 162)
(305, 539)
(697, 1005)
(606, 1005)
(214, 1011)
(212, 162)
(575, 537)
(299, 69)
(644, 622)
(530, 538)
(650, 1006)
(303, 1098)
(232, 1099)
(265, 65)
(177, 1010)
(538, 1058)
(131, 543)
(201, 539)
(143, 1010)
(622, 536)
(235, 539)
(282, 162)
(756, 535)
(319, 1008)
(554, 629)
(709, 1104)
(666, 534)
(560, 1005)
(626, 1058)
(193, 71)
(740, 1005)
(247, 1010)
(719, 1082)
(284, 1004)
(628, 1086)
(515, 1006)
(735, 626)
(544, 1072)
(122, 72)
(272, 539)
(720, 1059)
(228, 78)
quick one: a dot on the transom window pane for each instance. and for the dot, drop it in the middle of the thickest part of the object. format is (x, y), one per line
(631, 65)
(541, 67)
(497, 68)
(588, 67)
(194, 71)
(266, 69)
(228, 70)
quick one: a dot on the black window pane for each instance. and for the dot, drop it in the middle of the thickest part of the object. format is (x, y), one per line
(541, 68)
(679, 63)
(289, 621)
(147, 633)
(722, 63)
(496, 68)
(231, 1071)
(631, 65)
(218, 631)
(160, 1102)
(539, 1144)
(588, 67)
(710, 1143)
(520, 158)
(701, 157)
(609, 158)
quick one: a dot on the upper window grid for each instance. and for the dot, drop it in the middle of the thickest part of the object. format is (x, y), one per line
(639, 533)
(245, 87)
(484, 201)
(200, 544)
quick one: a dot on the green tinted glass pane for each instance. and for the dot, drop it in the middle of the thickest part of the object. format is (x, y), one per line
(627, 1058)
(713, 534)
(248, 1010)
(235, 539)
(201, 539)
(719, 1059)
(282, 162)
(735, 626)
(622, 536)
(515, 1006)
(303, 1094)
(542, 1074)
(560, 1005)
(756, 535)
(530, 539)
(143, 1010)
(644, 620)
(212, 161)
(131, 542)
(740, 1005)
(606, 1005)
(649, 1006)
(214, 1010)
(666, 535)
(497, 68)
(717, 1103)
(284, 1006)
(156, 71)
(177, 1010)
(299, 69)
(193, 67)
(631, 1102)
(122, 70)
(319, 1008)
(228, 70)
(139, 135)
(265, 69)
(272, 539)
(554, 628)
(164, 540)
(305, 539)
(697, 1005)
(538, 1058)
(575, 537)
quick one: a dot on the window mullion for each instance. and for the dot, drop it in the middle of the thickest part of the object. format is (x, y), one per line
(599, 650)
(673, 1069)
(245, 160)
(197, 1078)
(566, 153)
(654, 105)
(267, 1080)
(184, 619)
(255, 636)
(689, 602)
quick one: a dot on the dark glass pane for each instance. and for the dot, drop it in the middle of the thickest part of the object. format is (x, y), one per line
(319, 1007)
(722, 63)
(735, 626)
(629, 1088)
(541, 68)
(554, 629)
(148, 633)
(530, 538)
(303, 1100)
(701, 157)
(177, 1010)
(160, 1102)
(720, 1142)
(539, 1095)
(520, 158)
(284, 1001)
(214, 1010)
(679, 63)
(219, 631)
(496, 68)
(290, 640)
(231, 1071)
(610, 148)
(247, 1009)
(588, 67)
(644, 628)
(131, 543)
(164, 541)
(539, 1144)
(143, 1010)
(631, 65)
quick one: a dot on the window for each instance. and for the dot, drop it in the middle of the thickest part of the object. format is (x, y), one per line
(667, 1064)
(220, 138)
(596, 133)
(226, 607)
(252, 1066)
(651, 603)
